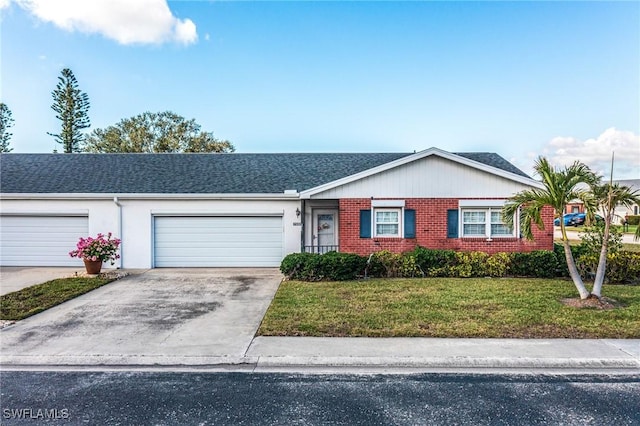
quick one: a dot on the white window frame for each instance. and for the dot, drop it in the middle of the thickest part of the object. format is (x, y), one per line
(463, 223)
(487, 222)
(374, 222)
(491, 223)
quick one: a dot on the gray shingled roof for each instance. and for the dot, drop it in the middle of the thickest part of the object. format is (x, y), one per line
(634, 184)
(191, 173)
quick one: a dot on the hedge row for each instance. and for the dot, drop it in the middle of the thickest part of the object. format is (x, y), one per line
(633, 220)
(423, 262)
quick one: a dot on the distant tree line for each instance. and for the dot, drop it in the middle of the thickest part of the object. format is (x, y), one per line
(6, 121)
(147, 132)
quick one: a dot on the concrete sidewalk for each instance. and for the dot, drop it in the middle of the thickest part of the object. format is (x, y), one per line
(374, 355)
(447, 353)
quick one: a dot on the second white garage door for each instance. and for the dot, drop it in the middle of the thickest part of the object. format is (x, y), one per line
(217, 241)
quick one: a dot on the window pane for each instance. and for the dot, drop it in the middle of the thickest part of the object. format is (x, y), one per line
(474, 217)
(496, 217)
(386, 229)
(499, 229)
(473, 229)
(387, 217)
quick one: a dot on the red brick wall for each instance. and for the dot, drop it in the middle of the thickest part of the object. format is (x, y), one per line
(577, 206)
(431, 230)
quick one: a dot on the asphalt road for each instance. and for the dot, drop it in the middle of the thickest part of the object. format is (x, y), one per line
(171, 398)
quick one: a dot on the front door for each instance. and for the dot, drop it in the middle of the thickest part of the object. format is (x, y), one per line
(325, 230)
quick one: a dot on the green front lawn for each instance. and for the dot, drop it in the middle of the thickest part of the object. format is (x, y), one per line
(631, 228)
(447, 307)
(32, 300)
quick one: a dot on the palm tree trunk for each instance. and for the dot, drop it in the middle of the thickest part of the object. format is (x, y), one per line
(602, 261)
(573, 270)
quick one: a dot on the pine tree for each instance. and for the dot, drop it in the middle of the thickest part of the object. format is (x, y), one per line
(6, 121)
(71, 106)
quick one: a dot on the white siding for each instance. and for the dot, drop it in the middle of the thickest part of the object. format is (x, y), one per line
(40, 240)
(132, 221)
(194, 241)
(430, 177)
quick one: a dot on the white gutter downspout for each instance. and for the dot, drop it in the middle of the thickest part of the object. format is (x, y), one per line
(115, 200)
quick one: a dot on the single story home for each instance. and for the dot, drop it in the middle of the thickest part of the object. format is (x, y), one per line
(233, 210)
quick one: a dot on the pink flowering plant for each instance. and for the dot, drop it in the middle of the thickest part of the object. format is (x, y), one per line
(104, 248)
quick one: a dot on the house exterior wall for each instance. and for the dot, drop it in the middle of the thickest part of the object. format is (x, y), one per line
(431, 230)
(576, 207)
(132, 221)
(432, 177)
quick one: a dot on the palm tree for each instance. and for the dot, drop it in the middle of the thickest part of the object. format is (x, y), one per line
(559, 188)
(608, 196)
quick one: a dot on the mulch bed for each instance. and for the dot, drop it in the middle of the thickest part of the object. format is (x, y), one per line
(603, 303)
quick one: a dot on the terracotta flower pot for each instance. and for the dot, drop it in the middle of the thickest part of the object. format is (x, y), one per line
(93, 267)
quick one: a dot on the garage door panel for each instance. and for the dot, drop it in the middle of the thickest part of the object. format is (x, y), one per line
(40, 240)
(231, 245)
(228, 235)
(217, 241)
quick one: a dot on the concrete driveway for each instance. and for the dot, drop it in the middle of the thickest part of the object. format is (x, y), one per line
(206, 316)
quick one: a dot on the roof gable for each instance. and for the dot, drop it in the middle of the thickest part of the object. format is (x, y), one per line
(487, 162)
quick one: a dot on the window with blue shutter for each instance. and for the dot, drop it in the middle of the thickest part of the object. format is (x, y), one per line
(409, 223)
(365, 223)
(452, 223)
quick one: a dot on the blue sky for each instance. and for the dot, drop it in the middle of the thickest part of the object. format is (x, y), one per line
(560, 79)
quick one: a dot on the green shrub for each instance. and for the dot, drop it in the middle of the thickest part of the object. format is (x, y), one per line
(498, 264)
(587, 265)
(622, 267)
(538, 263)
(341, 266)
(561, 261)
(593, 236)
(470, 264)
(591, 245)
(396, 265)
(331, 266)
(336, 266)
(432, 258)
(301, 266)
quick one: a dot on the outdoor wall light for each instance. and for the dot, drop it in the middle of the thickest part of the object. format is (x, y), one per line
(297, 212)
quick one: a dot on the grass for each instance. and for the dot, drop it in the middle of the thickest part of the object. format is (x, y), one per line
(447, 307)
(625, 246)
(631, 229)
(32, 300)
(631, 247)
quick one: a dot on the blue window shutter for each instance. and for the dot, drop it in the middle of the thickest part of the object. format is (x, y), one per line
(365, 223)
(409, 223)
(452, 223)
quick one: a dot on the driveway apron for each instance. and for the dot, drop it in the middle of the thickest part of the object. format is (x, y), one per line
(160, 314)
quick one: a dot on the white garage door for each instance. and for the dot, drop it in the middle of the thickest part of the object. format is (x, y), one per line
(40, 240)
(217, 241)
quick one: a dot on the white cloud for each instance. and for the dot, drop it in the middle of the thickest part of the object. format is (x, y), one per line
(596, 152)
(126, 21)
(4, 4)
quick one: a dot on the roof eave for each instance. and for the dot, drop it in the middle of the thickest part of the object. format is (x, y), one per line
(144, 196)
